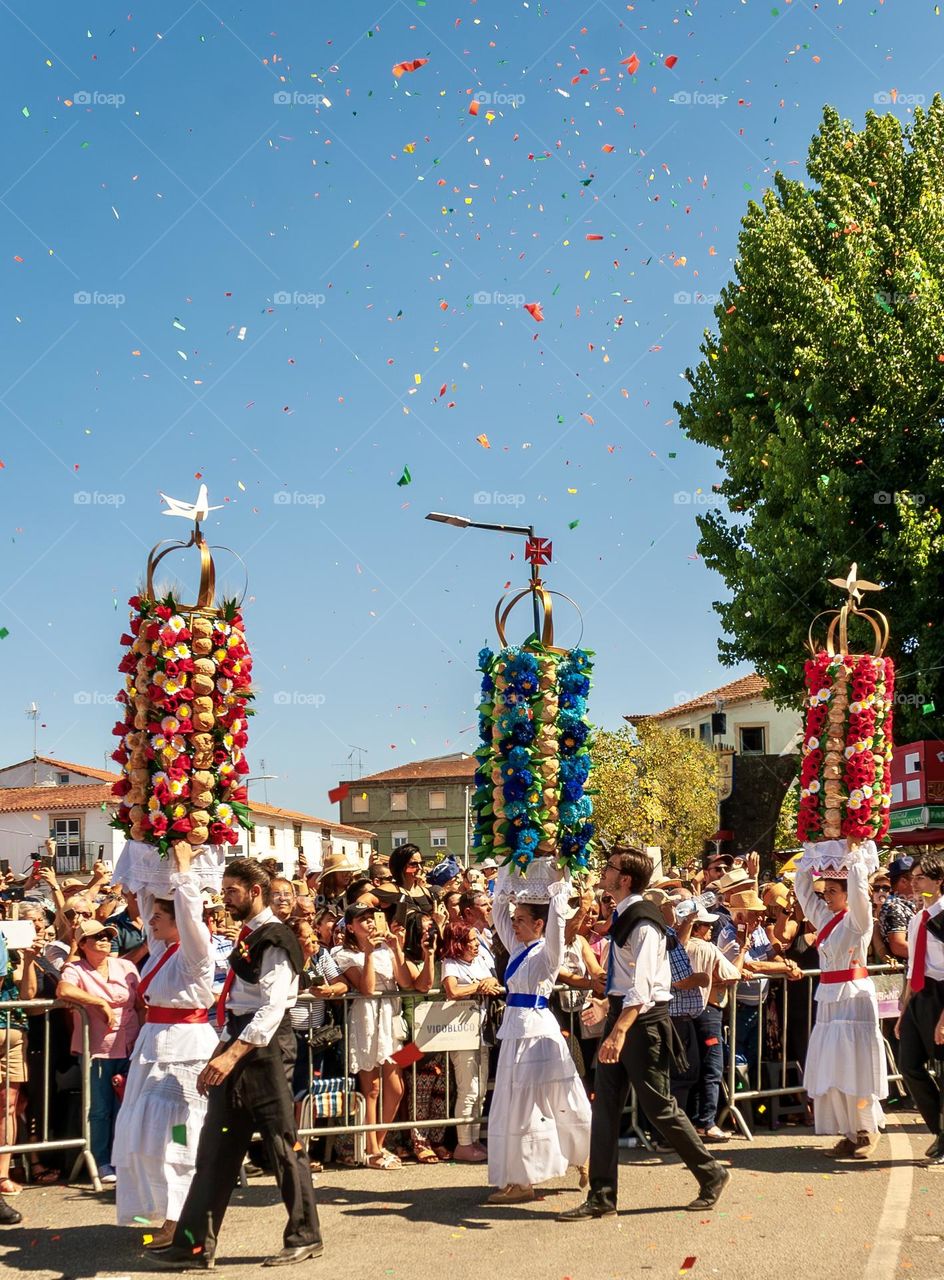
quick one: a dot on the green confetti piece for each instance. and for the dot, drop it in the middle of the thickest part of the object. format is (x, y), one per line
(189, 1235)
(927, 708)
(83, 145)
(573, 524)
(406, 478)
(3, 633)
(179, 1134)
(781, 667)
(144, 1221)
(26, 114)
(673, 455)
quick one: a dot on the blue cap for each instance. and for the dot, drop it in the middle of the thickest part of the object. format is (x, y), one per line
(901, 866)
(444, 871)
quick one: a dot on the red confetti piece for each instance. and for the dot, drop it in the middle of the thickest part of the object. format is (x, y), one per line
(631, 64)
(687, 1265)
(401, 68)
(671, 61)
(534, 311)
(592, 237)
(338, 793)
(473, 108)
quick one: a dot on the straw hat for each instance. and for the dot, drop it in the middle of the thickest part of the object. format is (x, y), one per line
(737, 878)
(340, 862)
(745, 900)
(777, 895)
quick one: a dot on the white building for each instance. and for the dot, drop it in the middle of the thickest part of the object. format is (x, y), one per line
(42, 796)
(753, 725)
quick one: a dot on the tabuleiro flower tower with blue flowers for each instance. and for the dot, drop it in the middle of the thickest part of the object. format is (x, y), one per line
(530, 801)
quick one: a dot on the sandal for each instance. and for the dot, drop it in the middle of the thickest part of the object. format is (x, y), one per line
(384, 1160)
(9, 1188)
(42, 1176)
(426, 1155)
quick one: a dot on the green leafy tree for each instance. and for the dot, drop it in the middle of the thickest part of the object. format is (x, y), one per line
(655, 787)
(823, 393)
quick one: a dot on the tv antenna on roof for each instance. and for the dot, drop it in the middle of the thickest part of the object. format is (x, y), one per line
(349, 762)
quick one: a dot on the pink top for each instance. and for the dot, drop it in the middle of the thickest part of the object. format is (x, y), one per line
(120, 989)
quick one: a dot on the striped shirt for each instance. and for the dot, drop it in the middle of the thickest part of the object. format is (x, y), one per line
(309, 1015)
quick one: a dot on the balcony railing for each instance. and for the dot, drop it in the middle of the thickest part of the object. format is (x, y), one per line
(75, 856)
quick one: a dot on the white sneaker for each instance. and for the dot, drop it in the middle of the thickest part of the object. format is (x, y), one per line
(107, 1175)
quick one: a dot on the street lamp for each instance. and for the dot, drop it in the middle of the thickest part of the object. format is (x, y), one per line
(525, 530)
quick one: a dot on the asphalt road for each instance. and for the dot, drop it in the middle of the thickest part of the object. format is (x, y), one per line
(788, 1211)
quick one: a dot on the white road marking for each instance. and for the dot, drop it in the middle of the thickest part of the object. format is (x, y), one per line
(883, 1260)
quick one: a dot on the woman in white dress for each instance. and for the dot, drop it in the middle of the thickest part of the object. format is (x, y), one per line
(467, 973)
(371, 961)
(162, 1113)
(846, 1074)
(539, 1123)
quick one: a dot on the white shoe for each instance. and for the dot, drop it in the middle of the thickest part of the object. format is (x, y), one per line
(107, 1175)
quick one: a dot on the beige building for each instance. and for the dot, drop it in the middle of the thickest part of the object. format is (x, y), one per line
(753, 724)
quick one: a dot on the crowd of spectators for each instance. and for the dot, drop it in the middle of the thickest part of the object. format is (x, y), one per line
(399, 928)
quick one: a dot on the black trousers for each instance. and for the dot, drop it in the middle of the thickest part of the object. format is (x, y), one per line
(917, 1049)
(644, 1066)
(254, 1097)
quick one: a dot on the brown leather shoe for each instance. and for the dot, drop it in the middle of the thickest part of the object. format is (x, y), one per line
(512, 1194)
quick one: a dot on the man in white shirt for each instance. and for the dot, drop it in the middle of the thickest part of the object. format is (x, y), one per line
(638, 1045)
(247, 1085)
(921, 1025)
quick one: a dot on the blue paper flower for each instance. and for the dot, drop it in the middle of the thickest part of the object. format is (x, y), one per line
(528, 838)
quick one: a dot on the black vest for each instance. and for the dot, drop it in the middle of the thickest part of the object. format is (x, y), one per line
(627, 920)
(245, 959)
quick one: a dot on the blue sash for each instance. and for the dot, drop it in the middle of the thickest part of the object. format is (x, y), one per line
(522, 1000)
(514, 965)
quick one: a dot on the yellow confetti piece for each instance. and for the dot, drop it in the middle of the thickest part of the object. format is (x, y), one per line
(417, 378)
(483, 441)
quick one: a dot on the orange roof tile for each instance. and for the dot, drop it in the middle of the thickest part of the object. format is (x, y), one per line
(43, 799)
(438, 769)
(289, 815)
(102, 775)
(741, 690)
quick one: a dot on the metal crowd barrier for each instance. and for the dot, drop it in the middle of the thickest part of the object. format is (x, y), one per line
(80, 1145)
(344, 1112)
(353, 1102)
(743, 1086)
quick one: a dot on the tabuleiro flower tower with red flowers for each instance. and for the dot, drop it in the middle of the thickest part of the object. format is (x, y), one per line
(186, 697)
(531, 809)
(845, 777)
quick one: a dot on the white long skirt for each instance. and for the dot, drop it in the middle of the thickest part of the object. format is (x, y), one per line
(846, 1074)
(156, 1136)
(539, 1123)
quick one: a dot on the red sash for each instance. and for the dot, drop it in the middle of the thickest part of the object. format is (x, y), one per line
(827, 930)
(158, 1013)
(845, 975)
(146, 982)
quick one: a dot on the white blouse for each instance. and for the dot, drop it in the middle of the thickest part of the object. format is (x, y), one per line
(184, 982)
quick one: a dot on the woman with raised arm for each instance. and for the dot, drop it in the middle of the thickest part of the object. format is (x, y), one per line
(162, 1114)
(539, 1123)
(845, 1072)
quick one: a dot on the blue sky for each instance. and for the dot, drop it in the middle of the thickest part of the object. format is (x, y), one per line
(237, 247)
